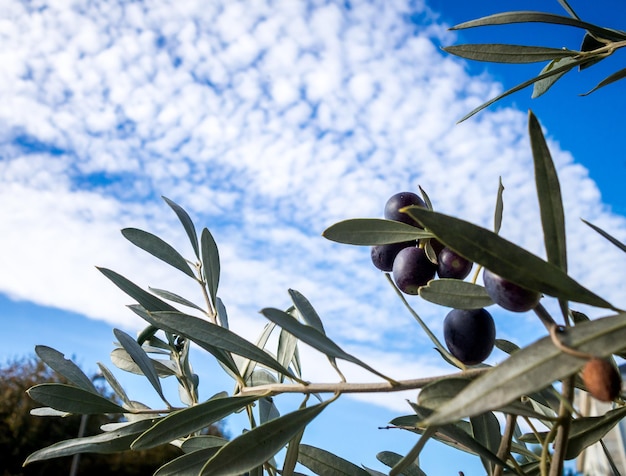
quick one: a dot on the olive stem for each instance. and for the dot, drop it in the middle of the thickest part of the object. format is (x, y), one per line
(432, 336)
(555, 330)
(505, 443)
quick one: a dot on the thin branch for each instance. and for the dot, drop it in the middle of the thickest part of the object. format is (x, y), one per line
(345, 387)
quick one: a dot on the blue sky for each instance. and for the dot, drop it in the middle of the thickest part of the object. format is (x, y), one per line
(268, 122)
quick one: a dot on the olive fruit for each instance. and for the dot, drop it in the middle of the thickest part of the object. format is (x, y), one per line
(412, 269)
(452, 265)
(602, 380)
(401, 200)
(384, 255)
(470, 334)
(509, 295)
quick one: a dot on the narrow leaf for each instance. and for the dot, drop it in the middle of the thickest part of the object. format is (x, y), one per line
(147, 300)
(373, 231)
(122, 360)
(569, 9)
(65, 367)
(533, 368)
(314, 338)
(389, 458)
(549, 195)
(189, 420)
(618, 75)
(158, 248)
(67, 398)
(141, 359)
(306, 310)
(115, 385)
(200, 442)
(552, 72)
(210, 263)
(187, 224)
(505, 258)
(612, 239)
(208, 336)
(170, 296)
(253, 448)
(542, 86)
(499, 53)
(323, 462)
(540, 17)
(486, 431)
(189, 464)
(456, 294)
(223, 357)
(103, 443)
(497, 217)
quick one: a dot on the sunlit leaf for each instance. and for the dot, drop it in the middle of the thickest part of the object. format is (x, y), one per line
(65, 367)
(563, 64)
(113, 382)
(306, 310)
(209, 336)
(71, 399)
(122, 360)
(499, 53)
(504, 258)
(533, 17)
(170, 296)
(141, 359)
(189, 420)
(373, 231)
(456, 294)
(223, 357)
(612, 239)
(323, 462)
(210, 263)
(314, 338)
(103, 443)
(158, 248)
(533, 368)
(187, 224)
(258, 445)
(148, 301)
(48, 412)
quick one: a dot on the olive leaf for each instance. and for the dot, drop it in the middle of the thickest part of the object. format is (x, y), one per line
(533, 368)
(504, 258)
(456, 294)
(324, 462)
(373, 231)
(187, 223)
(500, 53)
(65, 367)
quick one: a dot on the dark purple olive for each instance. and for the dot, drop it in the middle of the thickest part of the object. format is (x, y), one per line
(452, 265)
(470, 334)
(509, 295)
(401, 200)
(383, 255)
(412, 269)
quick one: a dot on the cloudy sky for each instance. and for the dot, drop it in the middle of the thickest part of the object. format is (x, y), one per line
(268, 121)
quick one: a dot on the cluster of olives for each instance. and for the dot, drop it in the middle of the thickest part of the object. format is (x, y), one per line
(409, 261)
(469, 333)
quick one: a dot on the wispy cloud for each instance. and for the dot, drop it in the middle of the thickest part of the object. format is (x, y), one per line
(268, 121)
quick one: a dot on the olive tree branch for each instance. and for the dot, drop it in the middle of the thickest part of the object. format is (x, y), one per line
(346, 387)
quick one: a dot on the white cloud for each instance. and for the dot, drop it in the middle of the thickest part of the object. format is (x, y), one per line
(268, 123)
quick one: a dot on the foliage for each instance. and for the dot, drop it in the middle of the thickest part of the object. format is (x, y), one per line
(21, 433)
(532, 388)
